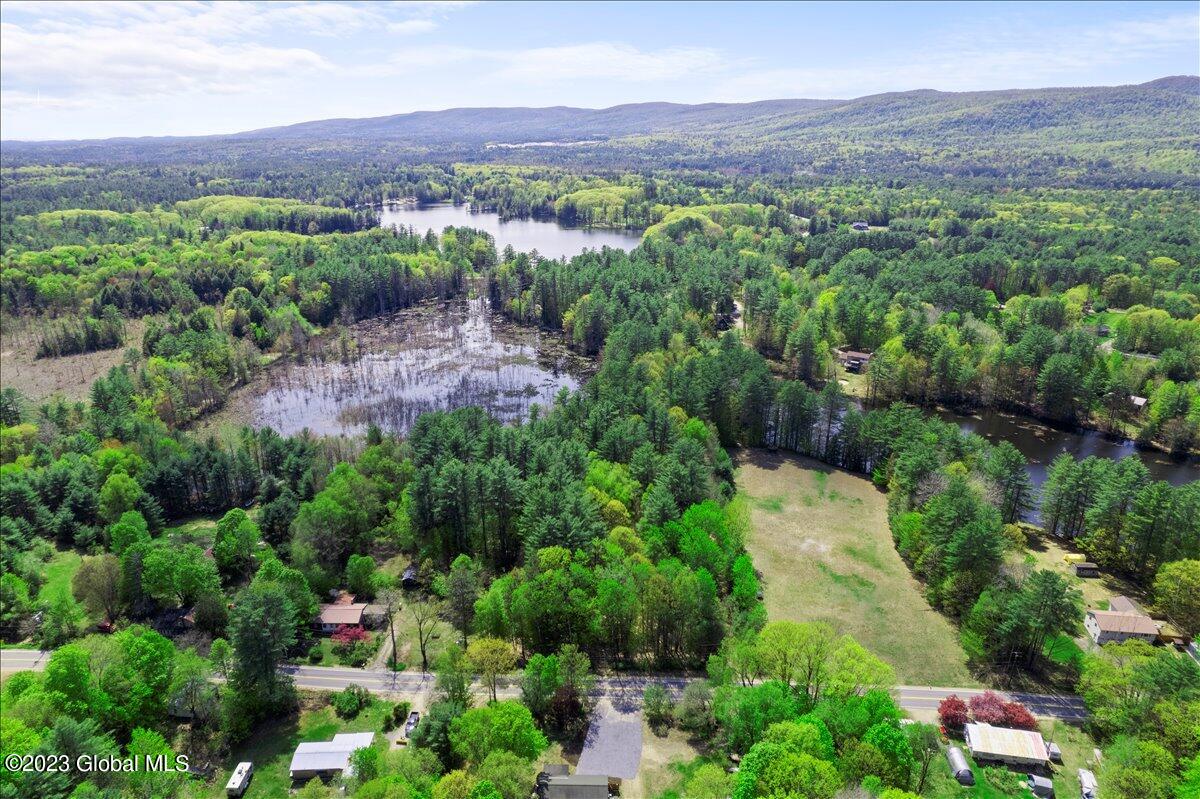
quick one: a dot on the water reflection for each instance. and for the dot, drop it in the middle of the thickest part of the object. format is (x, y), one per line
(525, 235)
(405, 364)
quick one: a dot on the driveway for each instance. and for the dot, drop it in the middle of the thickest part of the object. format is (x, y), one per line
(613, 746)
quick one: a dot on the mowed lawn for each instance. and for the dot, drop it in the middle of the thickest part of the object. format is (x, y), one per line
(820, 539)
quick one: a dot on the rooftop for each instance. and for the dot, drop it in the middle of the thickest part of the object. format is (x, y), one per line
(1005, 742)
(1123, 604)
(1123, 622)
(329, 755)
(342, 614)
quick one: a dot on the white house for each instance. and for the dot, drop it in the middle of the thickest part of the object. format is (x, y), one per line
(1105, 626)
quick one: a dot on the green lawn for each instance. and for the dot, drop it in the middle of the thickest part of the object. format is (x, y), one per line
(271, 745)
(59, 572)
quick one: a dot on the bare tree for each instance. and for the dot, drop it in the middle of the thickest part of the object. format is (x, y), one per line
(391, 600)
(427, 617)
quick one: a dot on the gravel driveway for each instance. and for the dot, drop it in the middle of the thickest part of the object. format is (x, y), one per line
(613, 747)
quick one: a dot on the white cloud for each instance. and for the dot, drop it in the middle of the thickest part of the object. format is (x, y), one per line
(989, 56)
(587, 61)
(73, 54)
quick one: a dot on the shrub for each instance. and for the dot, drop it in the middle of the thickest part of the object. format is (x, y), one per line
(953, 713)
(989, 708)
(315, 654)
(350, 701)
(346, 635)
(1017, 715)
(398, 716)
(659, 708)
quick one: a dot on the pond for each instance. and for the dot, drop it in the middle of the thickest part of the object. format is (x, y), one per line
(549, 238)
(1041, 444)
(391, 369)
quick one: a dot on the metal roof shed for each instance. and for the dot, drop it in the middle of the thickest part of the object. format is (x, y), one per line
(959, 766)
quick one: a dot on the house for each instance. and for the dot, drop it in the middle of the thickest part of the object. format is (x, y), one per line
(852, 360)
(860, 226)
(327, 759)
(335, 615)
(1087, 569)
(1105, 626)
(1004, 745)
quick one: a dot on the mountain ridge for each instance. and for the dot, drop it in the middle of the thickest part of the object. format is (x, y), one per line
(507, 124)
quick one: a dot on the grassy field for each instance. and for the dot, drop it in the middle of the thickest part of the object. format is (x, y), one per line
(821, 541)
(270, 747)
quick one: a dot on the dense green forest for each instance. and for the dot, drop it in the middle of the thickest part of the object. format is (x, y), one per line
(604, 532)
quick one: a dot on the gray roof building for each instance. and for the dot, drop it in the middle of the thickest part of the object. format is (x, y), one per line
(327, 758)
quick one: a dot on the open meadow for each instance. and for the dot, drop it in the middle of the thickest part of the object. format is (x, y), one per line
(820, 539)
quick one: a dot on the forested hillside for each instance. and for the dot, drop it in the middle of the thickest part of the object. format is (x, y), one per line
(1144, 135)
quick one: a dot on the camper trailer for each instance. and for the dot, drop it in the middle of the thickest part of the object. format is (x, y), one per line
(239, 780)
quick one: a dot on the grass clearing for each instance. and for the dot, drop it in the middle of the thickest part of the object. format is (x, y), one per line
(59, 572)
(827, 555)
(664, 763)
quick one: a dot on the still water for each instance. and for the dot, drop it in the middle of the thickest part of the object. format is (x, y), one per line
(550, 239)
(391, 369)
(1041, 445)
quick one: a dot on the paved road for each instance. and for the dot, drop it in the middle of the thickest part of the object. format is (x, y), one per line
(1060, 706)
(625, 690)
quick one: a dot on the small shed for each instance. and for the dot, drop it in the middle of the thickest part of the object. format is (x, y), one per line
(1102, 330)
(1087, 569)
(1041, 787)
(410, 579)
(572, 786)
(959, 766)
(1138, 403)
(860, 226)
(1055, 752)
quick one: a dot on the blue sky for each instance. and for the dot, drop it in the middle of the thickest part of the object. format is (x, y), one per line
(90, 69)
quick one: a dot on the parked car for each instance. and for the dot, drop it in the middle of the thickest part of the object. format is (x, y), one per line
(414, 719)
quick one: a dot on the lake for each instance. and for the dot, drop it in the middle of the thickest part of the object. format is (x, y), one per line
(549, 238)
(390, 369)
